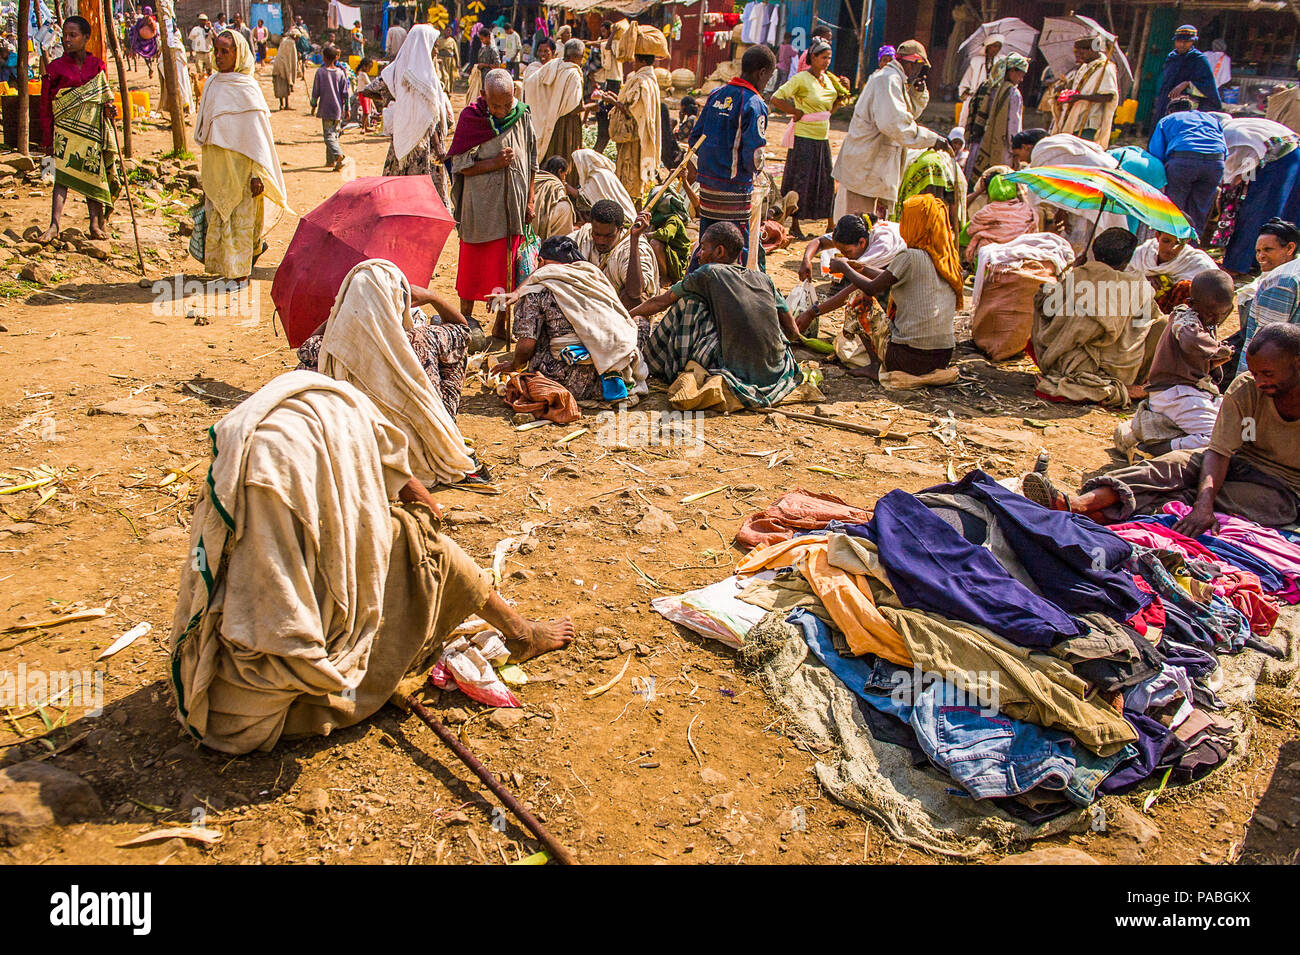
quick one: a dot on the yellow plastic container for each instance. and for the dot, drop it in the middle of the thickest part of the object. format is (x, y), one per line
(354, 62)
(33, 87)
(1126, 114)
(139, 103)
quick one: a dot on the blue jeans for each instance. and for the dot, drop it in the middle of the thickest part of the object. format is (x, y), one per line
(1192, 186)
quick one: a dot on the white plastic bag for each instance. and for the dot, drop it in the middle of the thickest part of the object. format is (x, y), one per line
(801, 298)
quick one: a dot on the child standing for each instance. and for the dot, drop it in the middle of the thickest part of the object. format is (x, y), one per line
(1180, 385)
(367, 105)
(329, 101)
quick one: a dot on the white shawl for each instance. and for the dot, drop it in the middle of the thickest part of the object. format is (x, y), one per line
(419, 99)
(258, 627)
(640, 94)
(365, 344)
(233, 115)
(597, 180)
(591, 305)
(1187, 264)
(551, 91)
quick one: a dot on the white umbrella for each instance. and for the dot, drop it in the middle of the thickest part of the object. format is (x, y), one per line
(1017, 37)
(1057, 45)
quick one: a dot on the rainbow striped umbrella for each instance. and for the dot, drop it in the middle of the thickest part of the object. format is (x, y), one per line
(1107, 190)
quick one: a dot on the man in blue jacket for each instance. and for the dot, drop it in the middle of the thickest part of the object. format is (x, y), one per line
(1186, 65)
(1192, 146)
(730, 136)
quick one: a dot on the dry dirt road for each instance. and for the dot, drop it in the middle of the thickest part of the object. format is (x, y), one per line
(614, 777)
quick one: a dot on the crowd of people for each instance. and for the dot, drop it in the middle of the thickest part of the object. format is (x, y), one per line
(576, 242)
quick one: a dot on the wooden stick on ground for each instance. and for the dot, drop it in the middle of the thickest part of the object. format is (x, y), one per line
(841, 425)
(558, 852)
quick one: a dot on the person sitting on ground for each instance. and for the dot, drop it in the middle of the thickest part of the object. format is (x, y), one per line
(934, 172)
(864, 244)
(1089, 328)
(623, 254)
(1250, 469)
(1275, 295)
(381, 294)
(924, 283)
(319, 578)
(1169, 264)
(597, 179)
(571, 326)
(1181, 385)
(554, 213)
(669, 238)
(729, 320)
(1006, 216)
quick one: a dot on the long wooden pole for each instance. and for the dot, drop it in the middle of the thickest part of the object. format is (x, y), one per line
(173, 84)
(553, 846)
(110, 28)
(1142, 55)
(130, 203)
(24, 107)
(864, 37)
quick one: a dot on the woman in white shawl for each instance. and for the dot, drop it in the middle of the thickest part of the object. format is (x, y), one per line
(241, 170)
(597, 180)
(372, 340)
(421, 114)
(1165, 261)
(284, 70)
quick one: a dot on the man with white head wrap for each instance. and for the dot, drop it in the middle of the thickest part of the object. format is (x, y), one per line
(1083, 101)
(978, 70)
(554, 96)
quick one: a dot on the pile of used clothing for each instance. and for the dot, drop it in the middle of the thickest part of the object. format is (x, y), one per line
(1036, 658)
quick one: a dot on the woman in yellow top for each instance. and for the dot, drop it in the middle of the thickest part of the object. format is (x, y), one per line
(810, 96)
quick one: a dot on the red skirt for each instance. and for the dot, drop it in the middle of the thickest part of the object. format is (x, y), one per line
(487, 268)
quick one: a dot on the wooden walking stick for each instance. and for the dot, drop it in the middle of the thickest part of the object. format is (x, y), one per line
(126, 187)
(558, 852)
(675, 175)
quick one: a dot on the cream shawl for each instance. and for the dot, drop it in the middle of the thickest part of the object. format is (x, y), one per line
(233, 115)
(553, 90)
(591, 305)
(290, 548)
(365, 344)
(419, 100)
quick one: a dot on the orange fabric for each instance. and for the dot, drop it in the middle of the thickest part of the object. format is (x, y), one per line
(534, 393)
(924, 225)
(796, 510)
(846, 597)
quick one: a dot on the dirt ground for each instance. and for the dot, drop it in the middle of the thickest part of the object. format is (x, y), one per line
(703, 772)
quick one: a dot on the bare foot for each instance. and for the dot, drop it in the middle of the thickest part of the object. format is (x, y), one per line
(48, 236)
(538, 637)
(98, 234)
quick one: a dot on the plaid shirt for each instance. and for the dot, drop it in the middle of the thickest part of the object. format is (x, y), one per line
(1277, 299)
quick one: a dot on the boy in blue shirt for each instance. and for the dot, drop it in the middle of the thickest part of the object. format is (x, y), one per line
(330, 90)
(730, 136)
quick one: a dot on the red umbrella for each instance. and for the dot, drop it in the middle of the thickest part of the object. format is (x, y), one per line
(398, 218)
